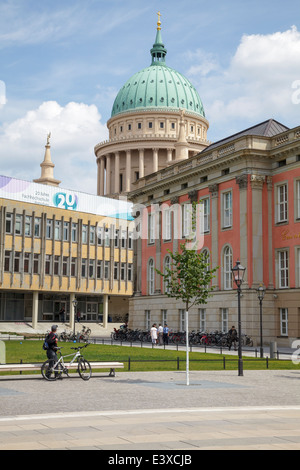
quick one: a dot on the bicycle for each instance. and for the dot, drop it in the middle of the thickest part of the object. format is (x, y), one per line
(55, 371)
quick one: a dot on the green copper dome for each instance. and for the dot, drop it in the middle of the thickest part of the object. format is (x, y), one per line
(157, 86)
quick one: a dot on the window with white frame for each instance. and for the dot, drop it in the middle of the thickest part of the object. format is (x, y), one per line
(206, 256)
(224, 320)
(65, 266)
(205, 206)
(84, 233)
(92, 234)
(164, 316)
(182, 314)
(27, 262)
(129, 272)
(283, 269)
(18, 224)
(106, 269)
(84, 267)
(92, 268)
(227, 265)
(74, 232)
(227, 209)
(28, 225)
(151, 228)
(9, 222)
(186, 220)
(7, 260)
(202, 319)
(283, 321)
(167, 217)
(167, 265)
(282, 203)
(57, 230)
(150, 277)
(37, 226)
(66, 231)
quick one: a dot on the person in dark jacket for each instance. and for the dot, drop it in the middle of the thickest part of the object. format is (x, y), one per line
(52, 346)
(232, 335)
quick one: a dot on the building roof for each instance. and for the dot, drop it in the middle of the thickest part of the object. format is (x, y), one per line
(157, 86)
(268, 128)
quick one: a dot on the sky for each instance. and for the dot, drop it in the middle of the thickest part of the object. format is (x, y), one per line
(63, 63)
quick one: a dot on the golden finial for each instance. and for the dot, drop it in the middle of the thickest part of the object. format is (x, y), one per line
(159, 22)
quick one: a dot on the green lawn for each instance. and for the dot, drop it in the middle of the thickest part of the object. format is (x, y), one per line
(142, 359)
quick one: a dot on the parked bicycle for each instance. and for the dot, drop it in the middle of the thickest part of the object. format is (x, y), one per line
(54, 371)
(84, 334)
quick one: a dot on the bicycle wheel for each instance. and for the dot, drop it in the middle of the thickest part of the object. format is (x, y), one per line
(84, 369)
(49, 373)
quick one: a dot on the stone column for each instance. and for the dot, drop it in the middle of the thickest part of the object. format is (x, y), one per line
(128, 171)
(98, 177)
(117, 172)
(242, 181)
(270, 240)
(141, 163)
(105, 310)
(35, 308)
(102, 176)
(108, 187)
(72, 313)
(214, 192)
(257, 182)
(155, 160)
(169, 156)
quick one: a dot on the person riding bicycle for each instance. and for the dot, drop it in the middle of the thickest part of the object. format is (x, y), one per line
(52, 346)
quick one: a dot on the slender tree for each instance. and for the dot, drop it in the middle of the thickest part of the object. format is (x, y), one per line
(189, 278)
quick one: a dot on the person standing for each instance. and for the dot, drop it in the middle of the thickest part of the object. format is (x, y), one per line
(52, 346)
(153, 333)
(232, 335)
(166, 334)
(160, 334)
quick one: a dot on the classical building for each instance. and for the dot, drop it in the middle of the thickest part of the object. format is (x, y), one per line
(157, 119)
(248, 187)
(62, 249)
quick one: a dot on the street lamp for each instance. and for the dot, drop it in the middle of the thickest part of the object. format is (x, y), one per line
(260, 294)
(74, 302)
(238, 273)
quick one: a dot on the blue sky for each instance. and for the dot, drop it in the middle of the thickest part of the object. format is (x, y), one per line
(62, 64)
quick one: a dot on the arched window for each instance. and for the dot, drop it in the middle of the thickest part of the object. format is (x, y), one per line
(151, 277)
(167, 265)
(227, 265)
(206, 255)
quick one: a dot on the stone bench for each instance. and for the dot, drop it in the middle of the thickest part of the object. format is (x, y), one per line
(37, 366)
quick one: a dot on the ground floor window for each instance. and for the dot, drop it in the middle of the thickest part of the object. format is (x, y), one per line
(283, 321)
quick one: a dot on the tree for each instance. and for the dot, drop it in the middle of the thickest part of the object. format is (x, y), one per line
(188, 279)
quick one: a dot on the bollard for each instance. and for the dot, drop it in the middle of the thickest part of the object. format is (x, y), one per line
(273, 349)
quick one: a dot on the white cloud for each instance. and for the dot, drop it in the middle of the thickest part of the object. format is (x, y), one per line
(75, 129)
(256, 85)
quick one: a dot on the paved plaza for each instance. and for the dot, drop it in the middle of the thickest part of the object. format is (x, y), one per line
(152, 411)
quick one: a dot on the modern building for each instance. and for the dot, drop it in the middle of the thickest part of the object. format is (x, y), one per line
(248, 187)
(62, 249)
(157, 119)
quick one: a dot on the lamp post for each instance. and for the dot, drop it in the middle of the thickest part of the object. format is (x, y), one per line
(74, 302)
(260, 294)
(238, 273)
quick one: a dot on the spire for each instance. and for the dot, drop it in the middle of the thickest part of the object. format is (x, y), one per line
(47, 167)
(158, 51)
